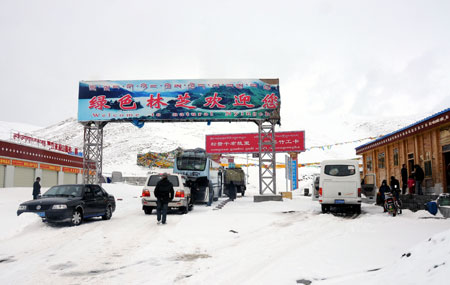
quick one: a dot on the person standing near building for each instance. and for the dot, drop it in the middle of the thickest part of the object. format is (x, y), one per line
(36, 188)
(395, 187)
(418, 176)
(383, 189)
(164, 194)
(404, 179)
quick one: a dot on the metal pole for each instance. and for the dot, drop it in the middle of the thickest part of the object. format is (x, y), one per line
(246, 180)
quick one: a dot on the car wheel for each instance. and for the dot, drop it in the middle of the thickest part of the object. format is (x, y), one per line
(77, 218)
(243, 193)
(148, 210)
(108, 213)
(183, 210)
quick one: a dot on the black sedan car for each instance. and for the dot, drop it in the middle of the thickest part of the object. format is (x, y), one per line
(71, 203)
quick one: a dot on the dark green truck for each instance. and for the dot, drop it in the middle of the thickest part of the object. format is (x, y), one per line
(237, 176)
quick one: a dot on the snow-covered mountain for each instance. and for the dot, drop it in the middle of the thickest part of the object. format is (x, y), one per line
(123, 141)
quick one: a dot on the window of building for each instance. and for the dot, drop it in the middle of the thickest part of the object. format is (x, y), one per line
(395, 156)
(427, 165)
(381, 160)
(369, 163)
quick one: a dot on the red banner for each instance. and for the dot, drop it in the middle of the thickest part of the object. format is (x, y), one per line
(248, 143)
(50, 167)
(71, 170)
(5, 161)
(24, 163)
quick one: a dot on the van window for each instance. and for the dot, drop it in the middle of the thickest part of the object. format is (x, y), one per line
(339, 170)
(154, 179)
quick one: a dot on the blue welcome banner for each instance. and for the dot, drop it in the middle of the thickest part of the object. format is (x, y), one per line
(179, 100)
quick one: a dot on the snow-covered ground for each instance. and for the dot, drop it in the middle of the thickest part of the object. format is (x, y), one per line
(243, 243)
(287, 242)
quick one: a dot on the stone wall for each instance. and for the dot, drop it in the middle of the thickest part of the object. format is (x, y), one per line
(135, 180)
(416, 202)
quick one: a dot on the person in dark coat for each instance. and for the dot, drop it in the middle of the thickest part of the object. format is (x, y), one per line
(232, 191)
(36, 188)
(419, 175)
(395, 187)
(383, 189)
(404, 179)
(164, 193)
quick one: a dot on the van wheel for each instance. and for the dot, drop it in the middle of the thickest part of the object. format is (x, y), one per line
(325, 208)
(358, 209)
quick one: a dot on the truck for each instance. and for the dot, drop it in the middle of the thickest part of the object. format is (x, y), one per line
(204, 175)
(237, 176)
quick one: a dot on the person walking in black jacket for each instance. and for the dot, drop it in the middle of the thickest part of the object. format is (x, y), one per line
(36, 188)
(232, 191)
(404, 179)
(164, 194)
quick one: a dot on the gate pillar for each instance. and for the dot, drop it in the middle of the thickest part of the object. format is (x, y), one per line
(93, 152)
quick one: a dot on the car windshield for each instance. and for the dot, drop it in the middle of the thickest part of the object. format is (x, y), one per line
(154, 179)
(64, 191)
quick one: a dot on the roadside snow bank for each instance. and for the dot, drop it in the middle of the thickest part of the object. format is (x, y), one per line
(428, 262)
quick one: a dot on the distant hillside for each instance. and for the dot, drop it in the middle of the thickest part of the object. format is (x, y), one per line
(123, 141)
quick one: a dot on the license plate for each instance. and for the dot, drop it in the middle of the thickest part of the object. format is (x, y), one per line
(41, 214)
(339, 201)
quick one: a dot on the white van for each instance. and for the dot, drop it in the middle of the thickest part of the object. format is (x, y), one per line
(339, 185)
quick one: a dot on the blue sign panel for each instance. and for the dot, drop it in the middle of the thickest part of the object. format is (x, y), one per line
(179, 100)
(294, 174)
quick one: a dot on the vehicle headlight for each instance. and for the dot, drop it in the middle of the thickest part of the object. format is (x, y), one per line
(59, 207)
(22, 207)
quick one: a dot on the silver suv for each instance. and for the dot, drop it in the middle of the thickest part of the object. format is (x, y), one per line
(182, 194)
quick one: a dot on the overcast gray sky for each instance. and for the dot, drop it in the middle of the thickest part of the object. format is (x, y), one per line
(375, 58)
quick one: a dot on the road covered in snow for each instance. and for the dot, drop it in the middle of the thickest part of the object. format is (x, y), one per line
(289, 242)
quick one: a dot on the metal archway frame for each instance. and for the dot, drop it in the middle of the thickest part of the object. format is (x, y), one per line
(93, 154)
